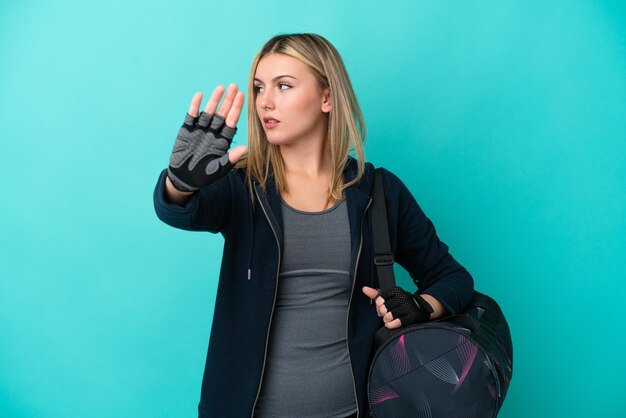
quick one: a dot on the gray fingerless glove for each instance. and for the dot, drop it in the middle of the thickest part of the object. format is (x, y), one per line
(200, 154)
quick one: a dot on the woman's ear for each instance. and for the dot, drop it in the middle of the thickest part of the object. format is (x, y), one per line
(327, 103)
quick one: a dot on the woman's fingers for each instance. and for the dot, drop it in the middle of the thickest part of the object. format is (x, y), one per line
(370, 292)
(373, 294)
(214, 100)
(235, 110)
(380, 302)
(396, 323)
(236, 153)
(388, 317)
(381, 309)
(230, 108)
(228, 100)
(195, 104)
(380, 305)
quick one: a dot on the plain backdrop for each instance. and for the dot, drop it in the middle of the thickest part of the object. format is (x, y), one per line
(506, 120)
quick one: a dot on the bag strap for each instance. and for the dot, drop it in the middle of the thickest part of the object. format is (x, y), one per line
(383, 257)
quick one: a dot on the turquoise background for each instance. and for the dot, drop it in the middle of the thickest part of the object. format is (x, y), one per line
(507, 121)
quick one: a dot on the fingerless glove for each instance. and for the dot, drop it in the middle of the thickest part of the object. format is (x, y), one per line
(200, 154)
(409, 308)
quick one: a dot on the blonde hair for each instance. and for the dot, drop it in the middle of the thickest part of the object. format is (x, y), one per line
(346, 128)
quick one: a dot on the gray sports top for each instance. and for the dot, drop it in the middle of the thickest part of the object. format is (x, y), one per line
(307, 370)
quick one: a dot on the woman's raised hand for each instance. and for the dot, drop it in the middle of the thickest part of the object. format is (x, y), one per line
(200, 153)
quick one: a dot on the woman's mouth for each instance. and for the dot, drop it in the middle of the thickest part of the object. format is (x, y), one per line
(270, 123)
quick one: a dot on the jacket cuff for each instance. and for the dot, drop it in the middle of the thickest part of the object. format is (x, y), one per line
(173, 212)
(452, 292)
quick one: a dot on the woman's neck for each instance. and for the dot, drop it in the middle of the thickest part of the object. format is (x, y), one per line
(308, 162)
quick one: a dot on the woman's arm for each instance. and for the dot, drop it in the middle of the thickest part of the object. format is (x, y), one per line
(438, 309)
(194, 193)
(440, 279)
(173, 195)
(208, 209)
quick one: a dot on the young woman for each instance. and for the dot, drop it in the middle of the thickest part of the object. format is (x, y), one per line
(297, 304)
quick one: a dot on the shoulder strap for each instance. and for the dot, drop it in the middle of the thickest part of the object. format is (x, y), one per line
(383, 258)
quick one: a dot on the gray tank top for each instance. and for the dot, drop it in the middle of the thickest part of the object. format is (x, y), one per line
(307, 370)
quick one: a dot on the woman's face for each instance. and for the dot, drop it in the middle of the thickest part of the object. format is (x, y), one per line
(289, 103)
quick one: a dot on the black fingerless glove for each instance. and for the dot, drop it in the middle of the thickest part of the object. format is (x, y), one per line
(409, 308)
(200, 152)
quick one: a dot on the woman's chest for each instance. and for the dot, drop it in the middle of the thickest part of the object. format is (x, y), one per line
(308, 196)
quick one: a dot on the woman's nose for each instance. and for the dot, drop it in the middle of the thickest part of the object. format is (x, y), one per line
(266, 101)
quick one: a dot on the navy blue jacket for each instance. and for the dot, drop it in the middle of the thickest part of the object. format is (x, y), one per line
(249, 272)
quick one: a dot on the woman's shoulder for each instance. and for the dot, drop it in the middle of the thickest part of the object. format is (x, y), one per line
(395, 188)
(389, 176)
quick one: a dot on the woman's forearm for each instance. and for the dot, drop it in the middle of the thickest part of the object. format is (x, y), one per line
(173, 195)
(438, 309)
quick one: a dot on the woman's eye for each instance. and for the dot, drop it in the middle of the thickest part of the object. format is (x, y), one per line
(281, 86)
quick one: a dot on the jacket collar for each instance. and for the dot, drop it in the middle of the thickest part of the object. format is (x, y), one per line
(358, 198)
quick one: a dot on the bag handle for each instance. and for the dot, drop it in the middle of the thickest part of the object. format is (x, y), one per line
(383, 257)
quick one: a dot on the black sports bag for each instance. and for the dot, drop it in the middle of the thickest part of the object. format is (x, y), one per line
(455, 366)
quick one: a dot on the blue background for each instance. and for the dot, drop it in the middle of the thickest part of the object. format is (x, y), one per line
(507, 121)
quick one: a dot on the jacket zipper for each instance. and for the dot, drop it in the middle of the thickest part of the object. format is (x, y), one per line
(356, 266)
(267, 334)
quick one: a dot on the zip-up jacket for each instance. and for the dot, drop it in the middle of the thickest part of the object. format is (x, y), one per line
(253, 247)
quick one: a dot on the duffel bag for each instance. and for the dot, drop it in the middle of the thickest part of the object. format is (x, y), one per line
(456, 366)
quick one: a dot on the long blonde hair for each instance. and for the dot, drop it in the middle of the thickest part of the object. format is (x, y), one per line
(346, 127)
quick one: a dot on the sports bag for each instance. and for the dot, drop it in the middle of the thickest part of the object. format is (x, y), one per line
(456, 366)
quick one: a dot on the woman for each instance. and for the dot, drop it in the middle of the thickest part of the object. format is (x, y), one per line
(297, 305)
